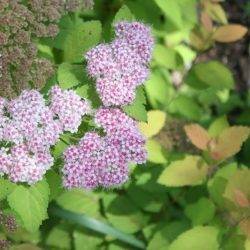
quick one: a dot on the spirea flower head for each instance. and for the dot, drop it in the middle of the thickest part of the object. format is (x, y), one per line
(121, 66)
(69, 107)
(123, 132)
(138, 36)
(26, 167)
(92, 163)
(29, 127)
(103, 160)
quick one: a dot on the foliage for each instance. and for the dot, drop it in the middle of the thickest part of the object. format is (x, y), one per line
(194, 190)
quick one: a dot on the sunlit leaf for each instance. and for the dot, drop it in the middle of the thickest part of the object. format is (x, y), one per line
(197, 238)
(155, 151)
(217, 126)
(190, 171)
(30, 203)
(172, 11)
(155, 122)
(229, 33)
(229, 142)
(69, 75)
(167, 57)
(197, 135)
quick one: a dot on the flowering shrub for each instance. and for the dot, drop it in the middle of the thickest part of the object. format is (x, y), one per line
(91, 89)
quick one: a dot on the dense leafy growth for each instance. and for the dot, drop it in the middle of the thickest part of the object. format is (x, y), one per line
(194, 191)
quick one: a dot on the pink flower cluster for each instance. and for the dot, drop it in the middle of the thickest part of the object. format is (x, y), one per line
(103, 161)
(29, 127)
(118, 67)
(121, 66)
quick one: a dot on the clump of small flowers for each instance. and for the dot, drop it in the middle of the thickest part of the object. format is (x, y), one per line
(103, 160)
(29, 127)
(22, 23)
(118, 67)
(122, 65)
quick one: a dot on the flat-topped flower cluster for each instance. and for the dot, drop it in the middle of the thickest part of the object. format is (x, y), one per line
(103, 160)
(29, 128)
(122, 65)
(30, 125)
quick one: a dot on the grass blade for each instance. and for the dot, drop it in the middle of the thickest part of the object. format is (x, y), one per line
(96, 226)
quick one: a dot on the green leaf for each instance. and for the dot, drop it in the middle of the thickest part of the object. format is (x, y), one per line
(247, 244)
(167, 57)
(137, 109)
(55, 183)
(173, 229)
(59, 237)
(210, 74)
(69, 75)
(25, 246)
(235, 242)
(83, 91)
(145, 200)
(186, 52)
(186, 107)
(59, 148)
(200, 212)
(218, 125)
(192, 170)
(172, 11)
(22, 235)
(30, 203)
(197, 238)
(217, 185)
(96, 226)
(239, 181)
(155, 122)
(79, 38)
(84, 240)
(155, 151)
(159, 242)
(123, 214)
(79, 201)
(158, 90)
(123, 14)
(6, 187)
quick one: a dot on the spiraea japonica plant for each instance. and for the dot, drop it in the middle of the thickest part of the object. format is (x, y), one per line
(33, 123)
(122, 126)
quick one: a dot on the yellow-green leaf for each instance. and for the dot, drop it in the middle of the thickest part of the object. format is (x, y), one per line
(190, 171)
(156, 121)
(217, 126)
(238, 185)
(245, 227)
(217, 13)
(155, 151)
(197, 238)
